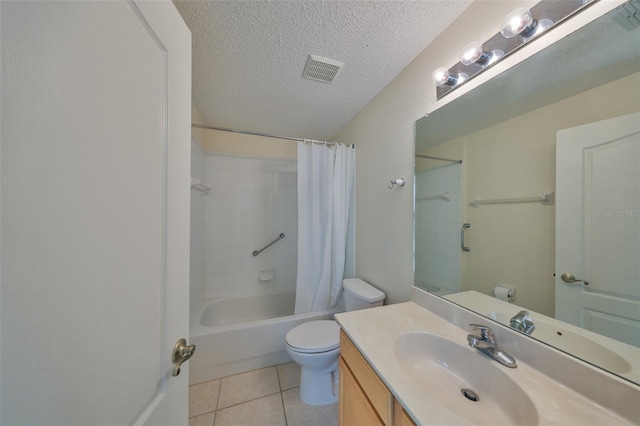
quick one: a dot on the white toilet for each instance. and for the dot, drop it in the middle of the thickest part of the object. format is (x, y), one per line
(315, 345)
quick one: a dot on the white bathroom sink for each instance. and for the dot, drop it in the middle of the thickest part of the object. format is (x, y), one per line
(562, 337)
(444, 368)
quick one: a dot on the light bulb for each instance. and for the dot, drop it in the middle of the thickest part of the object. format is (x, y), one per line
(519, 21)
(472, 53)
(442, 77)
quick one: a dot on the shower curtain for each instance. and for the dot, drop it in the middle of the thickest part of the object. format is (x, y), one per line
(326, 232)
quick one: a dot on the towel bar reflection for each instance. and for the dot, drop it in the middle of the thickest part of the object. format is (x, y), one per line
(444, 196)
(546, 199)
(257, 252)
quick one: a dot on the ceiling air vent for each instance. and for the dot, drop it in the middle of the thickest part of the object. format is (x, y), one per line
(628, 15)
(321, 69)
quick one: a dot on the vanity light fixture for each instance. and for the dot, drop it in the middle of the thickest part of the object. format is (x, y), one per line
(520, 26)
(521, 22)
(473, 53)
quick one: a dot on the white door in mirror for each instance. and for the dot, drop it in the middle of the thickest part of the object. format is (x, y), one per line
(598, 227)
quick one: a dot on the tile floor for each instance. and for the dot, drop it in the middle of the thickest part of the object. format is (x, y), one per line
(269, 396)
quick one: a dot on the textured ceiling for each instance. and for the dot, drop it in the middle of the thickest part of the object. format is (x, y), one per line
(248, 58)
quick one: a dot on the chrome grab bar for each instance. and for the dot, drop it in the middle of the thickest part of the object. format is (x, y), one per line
(257, 252)
(464, 226)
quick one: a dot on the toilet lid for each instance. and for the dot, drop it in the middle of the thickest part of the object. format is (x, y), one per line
(314, 336)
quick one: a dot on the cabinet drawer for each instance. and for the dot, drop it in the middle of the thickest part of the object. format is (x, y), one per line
(375, 390)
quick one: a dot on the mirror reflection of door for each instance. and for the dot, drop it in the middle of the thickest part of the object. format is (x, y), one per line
(598, 227)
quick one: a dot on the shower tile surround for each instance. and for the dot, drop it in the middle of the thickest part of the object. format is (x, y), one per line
(251, 202)
(259, 397)
(438, 222)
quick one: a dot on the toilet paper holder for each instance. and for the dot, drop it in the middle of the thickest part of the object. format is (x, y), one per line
(506, 293)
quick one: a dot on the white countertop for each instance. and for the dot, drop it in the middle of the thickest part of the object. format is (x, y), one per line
(375, 330)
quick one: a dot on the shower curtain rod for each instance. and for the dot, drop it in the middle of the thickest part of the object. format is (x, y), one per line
(439, 158)
(266, 135)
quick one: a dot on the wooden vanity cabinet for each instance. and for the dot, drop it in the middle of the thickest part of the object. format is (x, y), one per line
(400, 416)
(364, 399)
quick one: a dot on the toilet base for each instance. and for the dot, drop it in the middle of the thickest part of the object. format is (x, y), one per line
(319, 387)
(318, 370)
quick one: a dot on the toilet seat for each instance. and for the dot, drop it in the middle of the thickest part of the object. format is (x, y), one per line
(314, 337)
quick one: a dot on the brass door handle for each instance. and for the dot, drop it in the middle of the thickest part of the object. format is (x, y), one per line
(181, 353)
(568, 278)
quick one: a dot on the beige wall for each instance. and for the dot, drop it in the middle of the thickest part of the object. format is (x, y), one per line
(384, 134)
(514, 244)
(238, 143)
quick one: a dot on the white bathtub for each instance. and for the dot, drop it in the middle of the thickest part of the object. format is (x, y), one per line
(255, 307)
(250, 337)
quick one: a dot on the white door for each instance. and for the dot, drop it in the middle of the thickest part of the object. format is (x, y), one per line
(94, 212)
(598, 227)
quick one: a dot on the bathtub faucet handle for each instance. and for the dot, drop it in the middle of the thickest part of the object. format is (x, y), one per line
(181, 353)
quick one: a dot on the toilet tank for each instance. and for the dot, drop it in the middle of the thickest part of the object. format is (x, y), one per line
(360, 295)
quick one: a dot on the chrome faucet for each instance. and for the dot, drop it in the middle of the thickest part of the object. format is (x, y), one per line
(522, 323)
(487, 344)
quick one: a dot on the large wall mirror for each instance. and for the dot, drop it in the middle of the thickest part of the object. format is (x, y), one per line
(550, 151)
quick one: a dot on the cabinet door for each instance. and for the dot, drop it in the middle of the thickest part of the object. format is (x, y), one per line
(375, 390)
(400, 417)
(355, 409)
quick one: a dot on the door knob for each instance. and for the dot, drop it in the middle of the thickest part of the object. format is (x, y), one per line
(568, 278)
(181, 353)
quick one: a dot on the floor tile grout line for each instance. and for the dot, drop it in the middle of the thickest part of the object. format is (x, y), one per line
(217, 402)
(284, 410)
(278, 376)
(275, 367)
(215, 407)
(218, 398)
(249, 400)
(245, 372)
(240, 403)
